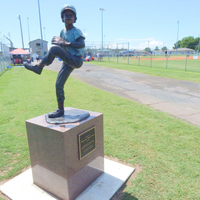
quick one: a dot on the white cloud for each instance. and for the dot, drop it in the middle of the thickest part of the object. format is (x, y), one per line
(142, 43)
(151, 44)
(131, 40)
(138, 44)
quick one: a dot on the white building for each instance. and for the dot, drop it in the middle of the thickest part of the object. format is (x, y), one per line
(182, 51)
(36, 47)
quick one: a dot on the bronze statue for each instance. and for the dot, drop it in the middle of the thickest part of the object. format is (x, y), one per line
(69, 47)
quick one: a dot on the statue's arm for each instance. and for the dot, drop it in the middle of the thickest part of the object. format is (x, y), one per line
(79, 43)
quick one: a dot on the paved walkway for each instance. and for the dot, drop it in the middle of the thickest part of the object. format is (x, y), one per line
(179, 98)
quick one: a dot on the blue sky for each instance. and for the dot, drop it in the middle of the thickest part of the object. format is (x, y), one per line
(141, 23)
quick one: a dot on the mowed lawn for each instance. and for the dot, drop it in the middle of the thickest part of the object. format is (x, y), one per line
(166, 150)
(162, 62)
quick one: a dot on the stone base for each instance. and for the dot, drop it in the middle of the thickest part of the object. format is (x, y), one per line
(105, 187)
(66, 158)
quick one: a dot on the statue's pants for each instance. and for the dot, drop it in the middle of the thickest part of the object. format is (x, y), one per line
(70, 62)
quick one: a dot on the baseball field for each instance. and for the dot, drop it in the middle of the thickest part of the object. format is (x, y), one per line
(178, 62)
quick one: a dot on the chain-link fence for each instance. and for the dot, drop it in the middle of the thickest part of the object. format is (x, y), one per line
(5, 58)
(121, 53)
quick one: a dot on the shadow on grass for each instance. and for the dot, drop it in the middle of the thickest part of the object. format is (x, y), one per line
(5, 71)
(128, 196)
(122, 195)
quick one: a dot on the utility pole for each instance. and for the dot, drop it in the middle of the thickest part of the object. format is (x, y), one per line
(21, 30)
(41, 28)
(28, 32)
(44, 33)
(177, 37)
(102, 9)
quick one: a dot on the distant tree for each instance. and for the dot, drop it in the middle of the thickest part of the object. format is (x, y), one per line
(178, 45)
(164, 49)
(197, 48)
(156, 49)
(147, 49)
(187, 42)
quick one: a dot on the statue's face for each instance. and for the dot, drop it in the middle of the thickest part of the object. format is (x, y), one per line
(68, 17)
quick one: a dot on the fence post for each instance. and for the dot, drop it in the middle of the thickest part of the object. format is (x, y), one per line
(128, 53)
(166, 61)
(0, 66)
(151, 60)
(117, 53)
(138, 59)
(186, 62)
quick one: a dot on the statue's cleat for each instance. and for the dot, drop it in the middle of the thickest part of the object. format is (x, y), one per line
(57, 113)
(36, 68)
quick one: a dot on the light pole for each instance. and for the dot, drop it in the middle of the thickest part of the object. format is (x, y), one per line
(18, 16)
(28, 32)
(41, 28)
(102, 9)
(177, 37)
(1, 45)
(1, 38)
(11, 43)
(104, 40)
(44, 33)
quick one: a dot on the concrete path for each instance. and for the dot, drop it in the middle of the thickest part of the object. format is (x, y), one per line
(179, 98)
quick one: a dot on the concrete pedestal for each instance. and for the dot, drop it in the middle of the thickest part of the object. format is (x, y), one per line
(106, 187)
(67, 158)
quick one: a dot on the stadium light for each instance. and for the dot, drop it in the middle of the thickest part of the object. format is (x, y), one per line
(177, 37)
(18, 16)
(44, 33)
(102, 9)
(1, 45)
(11, 43)
(41, 28)
(28, 32)
(1, 36)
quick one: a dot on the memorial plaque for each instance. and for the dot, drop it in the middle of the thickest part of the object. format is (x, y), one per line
(87, 143)
(72, 155)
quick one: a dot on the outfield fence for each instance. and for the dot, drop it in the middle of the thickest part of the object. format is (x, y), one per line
(4, 57)
(121, 53)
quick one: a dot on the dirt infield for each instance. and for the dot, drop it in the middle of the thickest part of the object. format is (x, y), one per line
(169, 58)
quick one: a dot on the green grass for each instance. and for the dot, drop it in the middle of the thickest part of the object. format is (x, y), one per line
(167, 149)
(189, 65)
(162, 72)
